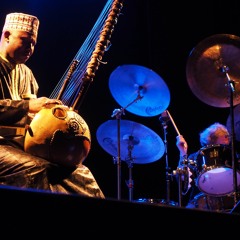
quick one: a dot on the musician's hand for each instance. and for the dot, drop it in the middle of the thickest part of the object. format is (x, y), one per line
(36, 104)
(31, 116)
(182, 145)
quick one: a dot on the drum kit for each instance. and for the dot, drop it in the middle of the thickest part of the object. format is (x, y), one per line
(213, 76)
(213, 72)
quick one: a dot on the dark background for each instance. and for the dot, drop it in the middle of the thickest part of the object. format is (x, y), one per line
(148, 33)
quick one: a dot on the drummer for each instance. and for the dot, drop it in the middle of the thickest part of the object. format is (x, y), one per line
(215, 134)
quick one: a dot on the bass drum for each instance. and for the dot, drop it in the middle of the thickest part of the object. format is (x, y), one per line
(219, 204)
(215, 175)
(59, 135)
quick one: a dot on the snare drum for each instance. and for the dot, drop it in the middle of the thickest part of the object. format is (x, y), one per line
(215, 175)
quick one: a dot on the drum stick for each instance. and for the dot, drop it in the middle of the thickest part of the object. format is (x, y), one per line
(178, 133)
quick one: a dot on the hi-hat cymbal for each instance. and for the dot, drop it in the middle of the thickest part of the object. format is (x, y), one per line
(140, 90)
(138, 143)
(208, 65)
(236, 113)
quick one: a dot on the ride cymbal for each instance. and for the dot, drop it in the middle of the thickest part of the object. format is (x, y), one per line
(208, 65)
(140, 90)
(138, 143)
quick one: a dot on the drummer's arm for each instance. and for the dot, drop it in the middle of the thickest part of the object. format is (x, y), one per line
(183, 148)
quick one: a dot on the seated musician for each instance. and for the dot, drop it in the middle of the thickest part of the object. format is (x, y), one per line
(18, 105)
(208, 182)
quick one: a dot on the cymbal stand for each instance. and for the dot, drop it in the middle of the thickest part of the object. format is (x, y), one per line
(164, 119)
(182, 175)
(130, 161)
(231, 85)
(179, 171)
(118, 113)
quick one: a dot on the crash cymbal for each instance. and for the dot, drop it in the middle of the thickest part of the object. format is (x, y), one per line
(129, 83)
(207, 66)
(236, 113)
(144, 144)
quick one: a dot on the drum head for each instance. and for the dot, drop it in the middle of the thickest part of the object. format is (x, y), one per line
(218, 181)
(215, 175)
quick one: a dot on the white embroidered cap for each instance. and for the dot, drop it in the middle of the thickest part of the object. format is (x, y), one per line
(22, 22)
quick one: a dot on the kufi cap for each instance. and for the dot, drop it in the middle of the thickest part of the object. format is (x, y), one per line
(22, 22)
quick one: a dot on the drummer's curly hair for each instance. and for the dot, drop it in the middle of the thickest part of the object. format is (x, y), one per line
(209, 135)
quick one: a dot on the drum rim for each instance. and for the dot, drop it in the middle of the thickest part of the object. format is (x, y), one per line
(215, 145)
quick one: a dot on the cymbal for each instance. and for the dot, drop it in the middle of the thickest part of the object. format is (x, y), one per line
(138, 143)
(140, 90)
(208, 65)
(236, 113)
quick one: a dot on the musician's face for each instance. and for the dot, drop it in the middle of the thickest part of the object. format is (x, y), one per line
(223, 139)
(19, 46)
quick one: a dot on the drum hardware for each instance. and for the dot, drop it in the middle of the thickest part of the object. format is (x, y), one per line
(217, 58)
(130, 142)
(118, 114)
(184, 176)
(164, 118)
(180, 173)
(236, 121)
(236, 208)
(192, 163)
(236, 124)
(130, 160)
(128, 84)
